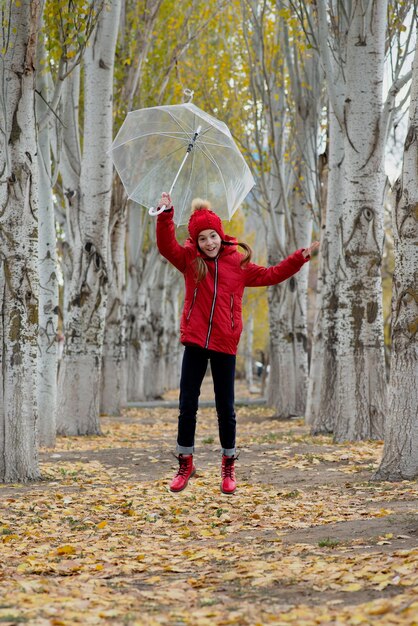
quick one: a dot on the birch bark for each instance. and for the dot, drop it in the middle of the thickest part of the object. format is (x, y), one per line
(400, 455)
(322, 399)
(19, 240)
(113, 381)
(288, 382)
(142, 342)
(360, 365)
(347, 392)
(48, 278)
(69, 166)
(80, 369)
(248, 351)
(173, 348)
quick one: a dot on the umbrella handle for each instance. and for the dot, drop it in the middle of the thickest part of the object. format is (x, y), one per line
(157, 210)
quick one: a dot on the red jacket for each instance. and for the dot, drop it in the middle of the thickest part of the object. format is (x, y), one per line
(212, 312)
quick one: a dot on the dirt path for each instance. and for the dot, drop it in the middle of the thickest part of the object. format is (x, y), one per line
(306, 539)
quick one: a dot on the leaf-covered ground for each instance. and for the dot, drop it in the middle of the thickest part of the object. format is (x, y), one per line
(306, 539)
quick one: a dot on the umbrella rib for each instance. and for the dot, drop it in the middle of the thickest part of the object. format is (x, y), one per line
(170, 135)
(192, 129)
(184, 130)
(217, 145)
(190, 177)
(213, 161)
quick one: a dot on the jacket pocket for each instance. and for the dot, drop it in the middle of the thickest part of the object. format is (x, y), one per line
(232, 311)
(189, 312)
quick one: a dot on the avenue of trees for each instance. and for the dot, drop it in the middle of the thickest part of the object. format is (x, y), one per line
(315, 94)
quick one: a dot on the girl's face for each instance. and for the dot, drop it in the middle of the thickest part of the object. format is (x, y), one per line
(209, 242)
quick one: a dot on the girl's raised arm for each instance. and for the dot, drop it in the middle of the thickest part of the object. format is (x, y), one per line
(259, 276)
(167, 243)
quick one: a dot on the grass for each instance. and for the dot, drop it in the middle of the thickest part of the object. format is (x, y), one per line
(328, 543)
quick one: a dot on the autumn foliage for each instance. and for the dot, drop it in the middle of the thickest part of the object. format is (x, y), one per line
(306, 539)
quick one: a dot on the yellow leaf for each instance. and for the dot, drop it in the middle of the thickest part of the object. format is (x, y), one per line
(380, 609)
(66, 549)
(383, 512)
(129, 512)
(352, 587)
(22, 567)
(153, 579)
(102, 524)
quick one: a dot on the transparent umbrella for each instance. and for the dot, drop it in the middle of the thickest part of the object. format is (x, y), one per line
(184, 151)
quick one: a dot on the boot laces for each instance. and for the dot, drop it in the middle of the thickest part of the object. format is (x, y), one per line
(183, 466)
(228, 468)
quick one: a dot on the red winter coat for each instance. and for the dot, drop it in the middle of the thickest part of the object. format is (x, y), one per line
(212, 312)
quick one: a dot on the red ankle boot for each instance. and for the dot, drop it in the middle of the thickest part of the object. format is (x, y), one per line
(186, 470)
(229, 483)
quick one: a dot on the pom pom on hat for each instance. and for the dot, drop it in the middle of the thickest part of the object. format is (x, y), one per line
(203, 218)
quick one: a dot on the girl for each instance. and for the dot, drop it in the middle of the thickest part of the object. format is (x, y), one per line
(215, 275)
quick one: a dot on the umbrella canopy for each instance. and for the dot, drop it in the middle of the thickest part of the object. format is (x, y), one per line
(182, 145)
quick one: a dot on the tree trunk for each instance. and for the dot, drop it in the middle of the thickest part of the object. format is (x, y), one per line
(248, 351)
(80, 369)
(147, 359)
(400, 455)
(322, 398)
(360, 364)
(113, 385)
(173, 350)
(19, 244)
(288, 381)
(48, 278)
(70, 164)
(153, 349)
(348, 389)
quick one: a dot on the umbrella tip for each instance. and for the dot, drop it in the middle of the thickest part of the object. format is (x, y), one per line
(188, 93)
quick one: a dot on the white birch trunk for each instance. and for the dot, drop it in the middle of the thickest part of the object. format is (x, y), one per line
(276, 297)
(288, 381)
(80, 369)
(48, 279)
(347, 391)
(360, 365)
(113, 385)
(400, 455)
(140, 263)
(321, 401)
(173, 349)
(248, 351)
(153, 346)
(68, 135)
(153, 350)
(18, 235)
(154, 372)
(146, 361)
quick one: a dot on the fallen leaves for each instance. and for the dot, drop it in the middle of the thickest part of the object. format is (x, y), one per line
(92, 544)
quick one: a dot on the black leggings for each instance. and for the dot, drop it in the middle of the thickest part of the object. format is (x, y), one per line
(194, 366)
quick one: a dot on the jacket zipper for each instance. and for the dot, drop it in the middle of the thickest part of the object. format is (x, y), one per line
(232, 311)
(215, 290)
(192, 304)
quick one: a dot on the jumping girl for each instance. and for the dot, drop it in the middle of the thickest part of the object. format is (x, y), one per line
(215, 275)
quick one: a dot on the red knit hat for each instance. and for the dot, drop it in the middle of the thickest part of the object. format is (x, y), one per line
(203, 218)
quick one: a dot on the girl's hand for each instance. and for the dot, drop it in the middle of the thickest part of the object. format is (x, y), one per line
(165, 200)
(308, 251)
